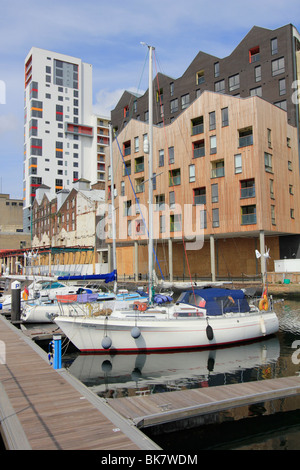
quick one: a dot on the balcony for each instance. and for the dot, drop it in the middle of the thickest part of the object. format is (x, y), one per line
(248, 219)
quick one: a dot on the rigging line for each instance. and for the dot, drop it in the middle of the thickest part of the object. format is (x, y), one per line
(139, 206)
(172, 179)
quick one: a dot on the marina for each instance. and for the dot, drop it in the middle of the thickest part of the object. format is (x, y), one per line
(122, 390)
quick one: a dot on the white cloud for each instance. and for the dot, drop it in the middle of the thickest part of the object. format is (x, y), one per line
(9, 123)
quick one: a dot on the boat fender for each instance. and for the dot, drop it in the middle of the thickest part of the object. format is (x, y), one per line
(136, 374)
(209, 332)
(135, 332)
(263, 326)
(106, 366)
(142, 307)
(210, 364)
(106, 342)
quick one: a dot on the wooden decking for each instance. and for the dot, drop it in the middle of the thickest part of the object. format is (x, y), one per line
(45, 409)
(161, 408)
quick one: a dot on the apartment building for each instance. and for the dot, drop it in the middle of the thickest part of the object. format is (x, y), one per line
(65, 230)
(226, 184)
(63, 140)
(11, 224)
(265, 64)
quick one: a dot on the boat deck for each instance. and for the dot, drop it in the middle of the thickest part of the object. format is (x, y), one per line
(46, 409)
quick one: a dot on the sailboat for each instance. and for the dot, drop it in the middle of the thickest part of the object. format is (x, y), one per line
(199, 319)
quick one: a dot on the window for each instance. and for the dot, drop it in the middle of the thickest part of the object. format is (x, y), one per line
(33, 127)
(213, 144)
(33, 93)
(185, 101)
(257, 73)
(172, 199)
(220, 86)
(212, 121)
(126, 148)
(272, 189)
(203, 219)
(214, 193)
(172, 88)
(127, 208)
(122, 188)
(174, 177)
(269, 138)
(126, 111)
(160, 202)
(136, 144)
(282, 87)
(273, 214)
(225, 117)
(268, 162)
(127, 168)
(234, 82)
(245, 137)
(59, 112)
(281, 105)
(291, 189)
(217, 169)
(292, 213)
(217, 69)
(162, 223)
(139, 185)
(256, 91)
(278, 66)
(199, 196)
(174, 105)
(139, 227)
(198, 149)
(175, 222)
(200, 77)
(171, 155)
(138, 164)
(238, 163)
(248, 188)
(36, 147)
(36, 109)
(254, 55)
(274, 46)
(192, 173)
(197, 125)
(248, 215)
(161, 157)
(215, 218)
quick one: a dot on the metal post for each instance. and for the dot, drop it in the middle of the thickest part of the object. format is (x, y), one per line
(15, 301)
(57, 352)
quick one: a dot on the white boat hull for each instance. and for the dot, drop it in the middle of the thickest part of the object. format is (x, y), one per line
(163, 335)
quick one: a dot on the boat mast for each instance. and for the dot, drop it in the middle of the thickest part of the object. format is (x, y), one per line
(113, 213)
(150, 167)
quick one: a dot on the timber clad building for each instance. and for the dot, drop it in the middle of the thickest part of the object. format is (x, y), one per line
(226, 159)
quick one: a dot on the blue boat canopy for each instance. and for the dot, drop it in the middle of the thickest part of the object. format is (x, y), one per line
(216, 301)
(110, 277)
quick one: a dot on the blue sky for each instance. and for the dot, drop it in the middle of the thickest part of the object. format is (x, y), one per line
(108, 35)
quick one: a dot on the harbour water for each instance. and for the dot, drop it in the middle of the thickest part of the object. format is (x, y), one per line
(113, 376)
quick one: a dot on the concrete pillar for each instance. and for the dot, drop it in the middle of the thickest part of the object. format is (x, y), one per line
(262, 252)
(212, 258)
(136, 260)
(170, 249)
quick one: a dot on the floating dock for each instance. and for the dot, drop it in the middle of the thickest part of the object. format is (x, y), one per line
(161, 408)
(46, 409)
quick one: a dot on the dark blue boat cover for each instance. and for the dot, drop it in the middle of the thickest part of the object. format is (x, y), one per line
(110, 277)
(216, 300)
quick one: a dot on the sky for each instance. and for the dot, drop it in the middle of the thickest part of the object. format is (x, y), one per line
(108, 35)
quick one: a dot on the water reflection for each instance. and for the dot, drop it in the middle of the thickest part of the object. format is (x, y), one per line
(123, 375)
